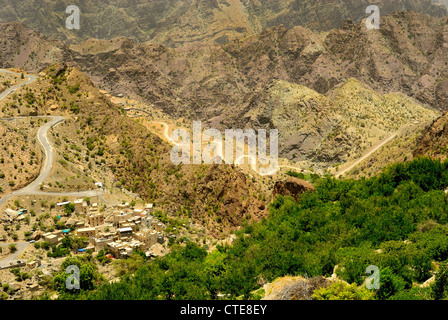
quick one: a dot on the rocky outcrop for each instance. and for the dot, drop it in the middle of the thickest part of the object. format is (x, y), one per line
(36, 235)
(294, 288)
(434, 140)
(293, 187)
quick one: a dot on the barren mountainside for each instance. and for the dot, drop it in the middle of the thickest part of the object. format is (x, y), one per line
(281, 78)
(434, 140)
(175, 22)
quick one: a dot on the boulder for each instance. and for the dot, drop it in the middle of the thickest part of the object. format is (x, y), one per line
(293, 187)
(36, 235)
(294, 288)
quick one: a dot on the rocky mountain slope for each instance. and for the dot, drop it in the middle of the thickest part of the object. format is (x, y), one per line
(98, 141)
(28, 49)
(281, 78)
(310, 86)
(175, 23)
(408, 54)
(332, 128)
(434, 140)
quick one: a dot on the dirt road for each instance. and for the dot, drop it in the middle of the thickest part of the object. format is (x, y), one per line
(365, 156)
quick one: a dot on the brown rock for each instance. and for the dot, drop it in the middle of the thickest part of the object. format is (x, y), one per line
(34, 287)
(432, 142)
(294, 288)
(36, 235)
(292, 187)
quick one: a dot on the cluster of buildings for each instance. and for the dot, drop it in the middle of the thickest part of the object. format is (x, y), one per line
(120, 229)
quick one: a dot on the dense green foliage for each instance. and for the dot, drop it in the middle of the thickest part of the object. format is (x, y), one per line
(88, 277)
(342, 291)
(396, 221)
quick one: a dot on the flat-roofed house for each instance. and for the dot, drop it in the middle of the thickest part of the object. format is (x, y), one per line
(120, 249)
(80, 224)
(125, 232)
(86, 232)
(149, 238)
(101, 243)
(147, 221)
(95, 219)
(85, 207)
(51, 238)
(94, 208)
(78, 205)
(160, 227)
(123, 206)
(58, 233)
(121, 216)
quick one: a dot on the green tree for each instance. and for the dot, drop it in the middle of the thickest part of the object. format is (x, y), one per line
(390, 284)
(13, 247)
(69, 208)
(440, 285)
(88, 275)
(45, 245)
(66, 242)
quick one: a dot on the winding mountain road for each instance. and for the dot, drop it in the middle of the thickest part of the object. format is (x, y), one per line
(219, 150)
(30, 79)
(253, 164)
(253, 161)
(33, 187)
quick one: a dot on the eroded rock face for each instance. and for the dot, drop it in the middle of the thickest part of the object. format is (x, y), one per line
(293, 187)
(434, 139)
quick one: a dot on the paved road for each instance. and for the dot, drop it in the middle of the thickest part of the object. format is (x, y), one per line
(33, 187)
(13, 257)
(8, 91)
(49, 154)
